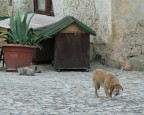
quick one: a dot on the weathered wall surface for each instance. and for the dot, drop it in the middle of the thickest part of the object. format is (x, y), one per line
(128, 33)
(83, 10)
(22, 6)
(102, 42)
(4, 7)
(58, 8)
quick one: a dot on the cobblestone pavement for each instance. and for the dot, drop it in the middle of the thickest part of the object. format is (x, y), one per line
(69, 93)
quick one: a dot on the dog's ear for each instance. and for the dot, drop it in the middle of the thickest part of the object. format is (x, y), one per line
(111, 88)
(120, 87)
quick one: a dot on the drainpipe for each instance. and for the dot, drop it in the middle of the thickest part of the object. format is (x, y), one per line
(10, 8)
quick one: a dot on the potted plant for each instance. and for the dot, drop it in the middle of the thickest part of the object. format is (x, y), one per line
(21, 42)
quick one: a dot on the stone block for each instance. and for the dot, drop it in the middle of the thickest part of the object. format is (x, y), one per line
(133, 50)
(134, 39)
(137, 63)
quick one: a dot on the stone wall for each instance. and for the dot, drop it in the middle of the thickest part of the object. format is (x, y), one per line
(4, 7)
(17, 5)
(128, 33)
(102, 43)
(23, 6)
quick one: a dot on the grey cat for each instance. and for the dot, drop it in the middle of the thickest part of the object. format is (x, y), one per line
(30, 71)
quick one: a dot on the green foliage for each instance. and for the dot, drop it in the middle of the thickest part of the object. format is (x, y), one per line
(20, 33)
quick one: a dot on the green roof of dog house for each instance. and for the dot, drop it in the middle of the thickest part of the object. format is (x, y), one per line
(64, 23)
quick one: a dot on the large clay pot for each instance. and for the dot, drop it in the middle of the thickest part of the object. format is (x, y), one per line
(17, 56)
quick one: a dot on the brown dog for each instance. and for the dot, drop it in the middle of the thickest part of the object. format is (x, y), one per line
(108, 80)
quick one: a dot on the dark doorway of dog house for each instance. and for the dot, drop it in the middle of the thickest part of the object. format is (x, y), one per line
(46, 54)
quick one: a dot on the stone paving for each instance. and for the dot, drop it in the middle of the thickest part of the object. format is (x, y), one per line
(69, 93)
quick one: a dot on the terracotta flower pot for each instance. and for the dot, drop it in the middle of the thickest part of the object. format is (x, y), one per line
(17, 55)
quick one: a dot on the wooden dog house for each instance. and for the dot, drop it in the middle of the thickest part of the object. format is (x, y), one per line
(72, 44)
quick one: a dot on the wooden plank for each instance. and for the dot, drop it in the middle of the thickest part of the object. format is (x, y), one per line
(72, 28)
(72, 51)
(46, 54)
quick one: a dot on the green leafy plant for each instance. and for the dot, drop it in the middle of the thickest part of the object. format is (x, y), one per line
(21, 33)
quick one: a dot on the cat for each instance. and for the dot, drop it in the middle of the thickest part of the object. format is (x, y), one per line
(30, 71)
